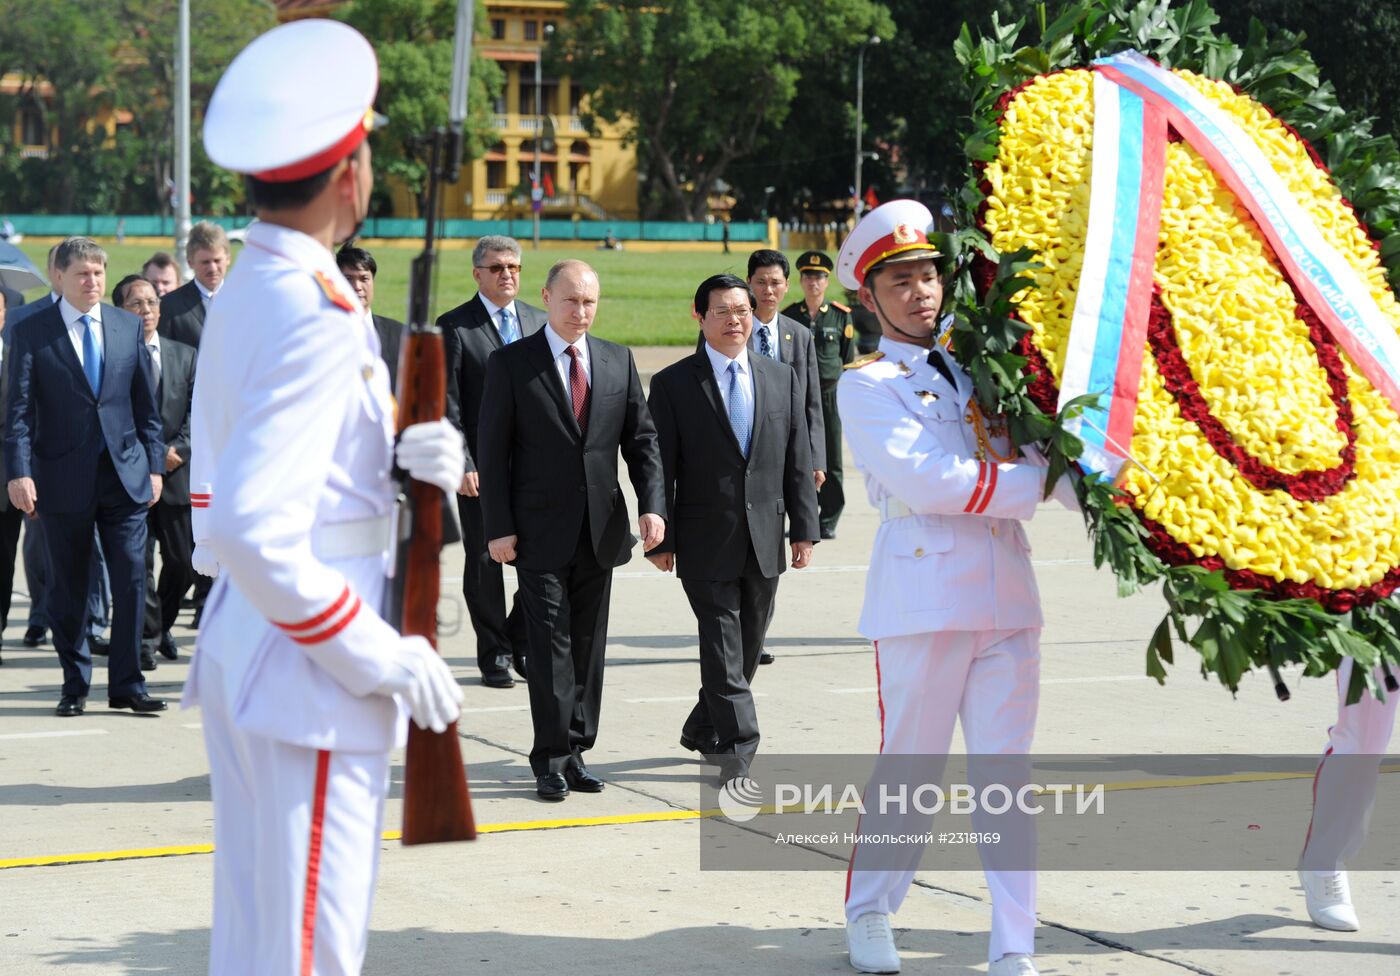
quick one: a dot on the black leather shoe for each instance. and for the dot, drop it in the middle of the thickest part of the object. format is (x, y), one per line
(148, 660)
(765, 657)
(517, 661)
(69, 706)
(34, 636)
(497, 679)
(198, 616)
(579, 778)
(707, 748)
(167, 647)
(828, 532)
(552, 787)
(137, 703)
(99, 647)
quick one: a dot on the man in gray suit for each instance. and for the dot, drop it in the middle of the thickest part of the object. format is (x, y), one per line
(779, 337)
(736, 459)
(494, 317)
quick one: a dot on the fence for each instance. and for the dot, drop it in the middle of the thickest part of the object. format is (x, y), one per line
(67, 225)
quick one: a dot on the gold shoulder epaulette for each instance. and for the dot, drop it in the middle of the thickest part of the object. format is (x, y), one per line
(844, 308)
(332, 292)
(866, 360)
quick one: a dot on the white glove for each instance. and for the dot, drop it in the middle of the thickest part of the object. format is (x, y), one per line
(1063, 492)
(203, 561)
(424, 681)
(433, 453)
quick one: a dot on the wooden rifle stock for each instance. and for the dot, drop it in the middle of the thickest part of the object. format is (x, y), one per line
(437, 803)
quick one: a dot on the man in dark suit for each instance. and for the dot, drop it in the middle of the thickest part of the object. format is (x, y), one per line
(11, 518)
(555, 411)
(171, 368)
(359, 268)
(736, 457)
(494, 317)
(788, 341)
(83, 448)
(182, 311)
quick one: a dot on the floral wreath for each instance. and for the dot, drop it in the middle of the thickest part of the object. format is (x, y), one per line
(1261, 493)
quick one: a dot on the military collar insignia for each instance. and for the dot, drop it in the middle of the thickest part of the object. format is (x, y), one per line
(332, 292)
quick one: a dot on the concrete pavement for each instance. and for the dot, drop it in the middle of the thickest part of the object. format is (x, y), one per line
(610, 884)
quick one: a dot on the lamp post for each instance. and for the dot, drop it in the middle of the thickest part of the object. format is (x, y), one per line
(537, 182)
(182, 139)
(860, 121)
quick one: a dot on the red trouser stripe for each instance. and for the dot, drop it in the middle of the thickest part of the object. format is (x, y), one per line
(879, 697)
(313, 865)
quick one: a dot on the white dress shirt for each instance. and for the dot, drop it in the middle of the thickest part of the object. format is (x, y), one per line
(719, 362)
(205, 294)
(772, 330)
(557, 347)
(71, 317)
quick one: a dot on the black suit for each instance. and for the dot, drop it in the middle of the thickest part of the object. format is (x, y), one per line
(469, 338)
(182, 314)
(390, 338)
(91, 457)
(725, 516)
(554, 487)
(798, 350)
(169, 519)
(11, 518)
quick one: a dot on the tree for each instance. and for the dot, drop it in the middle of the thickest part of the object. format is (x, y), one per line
(414, 40)
(695, 84)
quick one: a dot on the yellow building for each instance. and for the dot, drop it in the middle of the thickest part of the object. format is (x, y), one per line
(593, 177)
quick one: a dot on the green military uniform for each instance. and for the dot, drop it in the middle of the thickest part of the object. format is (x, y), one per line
(835, 340)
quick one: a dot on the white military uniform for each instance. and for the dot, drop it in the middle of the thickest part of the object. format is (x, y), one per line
(951, 600)
(1345, 792)
(292, 450)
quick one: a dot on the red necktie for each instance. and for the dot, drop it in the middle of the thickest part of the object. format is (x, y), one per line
(578, 389)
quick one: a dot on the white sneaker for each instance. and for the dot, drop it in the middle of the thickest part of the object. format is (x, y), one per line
(1329, 900)
(870, 942)
(1013, 964)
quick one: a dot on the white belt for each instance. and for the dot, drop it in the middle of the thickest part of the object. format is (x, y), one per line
(348, 540)
(893, 508)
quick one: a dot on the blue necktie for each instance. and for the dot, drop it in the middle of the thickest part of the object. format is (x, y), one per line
(764, 346)
(92, 355)
(508, 330)
(738, 414)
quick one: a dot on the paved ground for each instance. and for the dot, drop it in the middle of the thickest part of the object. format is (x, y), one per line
(610, 884)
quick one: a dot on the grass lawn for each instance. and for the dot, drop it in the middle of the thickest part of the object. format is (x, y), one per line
(646, 296)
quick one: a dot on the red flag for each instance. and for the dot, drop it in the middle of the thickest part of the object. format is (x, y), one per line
(871, 200)
(548, 185)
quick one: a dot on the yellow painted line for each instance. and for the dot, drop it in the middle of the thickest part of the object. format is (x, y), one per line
(181, 850)
(618, 820)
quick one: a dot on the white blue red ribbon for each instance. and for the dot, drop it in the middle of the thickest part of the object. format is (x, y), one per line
(1108, 330)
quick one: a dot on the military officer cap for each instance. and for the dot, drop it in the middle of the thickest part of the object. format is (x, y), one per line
(294, 102)
(815, 261)
(892, 232)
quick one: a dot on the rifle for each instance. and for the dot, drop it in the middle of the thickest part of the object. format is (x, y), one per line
(436, 799)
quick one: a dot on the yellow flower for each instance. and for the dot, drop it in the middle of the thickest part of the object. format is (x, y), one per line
(1235, 321)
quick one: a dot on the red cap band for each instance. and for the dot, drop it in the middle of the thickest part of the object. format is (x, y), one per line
(903, 238)
(324, 159)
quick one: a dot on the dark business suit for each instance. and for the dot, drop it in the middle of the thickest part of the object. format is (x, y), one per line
(797, 349)
(390, 338)
(91, 457)
(11, 518)
(168, 521)
(724, 513)
(470, 337)
(182, 314)
(555, 488)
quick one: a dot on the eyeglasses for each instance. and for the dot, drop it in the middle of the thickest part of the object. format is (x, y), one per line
(724, 311)
(134, 306)
(500, 269)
